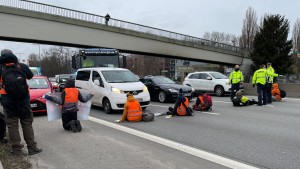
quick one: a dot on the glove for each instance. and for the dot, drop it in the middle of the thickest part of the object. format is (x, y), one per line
(118, 121)
(253, 85)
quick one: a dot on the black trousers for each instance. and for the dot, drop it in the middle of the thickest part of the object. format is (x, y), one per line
(2, 126)
(269, 92)
(67, 118)
(234, 89)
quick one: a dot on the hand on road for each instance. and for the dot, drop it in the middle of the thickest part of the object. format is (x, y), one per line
(118, 121)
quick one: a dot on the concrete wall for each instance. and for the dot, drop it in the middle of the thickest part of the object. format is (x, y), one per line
(292, 90)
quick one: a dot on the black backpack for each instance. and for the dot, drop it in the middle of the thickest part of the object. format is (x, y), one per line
(236, 101)
(282, 93)
(14, 81)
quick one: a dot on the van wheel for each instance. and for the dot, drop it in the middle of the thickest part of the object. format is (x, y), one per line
(162, 97)
(106, 106)
(219, 90)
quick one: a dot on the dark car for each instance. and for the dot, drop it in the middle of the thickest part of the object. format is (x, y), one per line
(61, 80)
(164, 89)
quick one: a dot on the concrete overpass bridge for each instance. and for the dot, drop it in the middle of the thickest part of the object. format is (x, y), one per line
(27, 21)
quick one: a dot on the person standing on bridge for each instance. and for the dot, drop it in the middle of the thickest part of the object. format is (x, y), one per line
(15, 100)
(235, 79)
(270, 79)
(107, 17)
(260, 79)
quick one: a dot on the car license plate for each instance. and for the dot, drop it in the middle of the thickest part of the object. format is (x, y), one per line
(33, 105)
(187, 94)
(140, 99)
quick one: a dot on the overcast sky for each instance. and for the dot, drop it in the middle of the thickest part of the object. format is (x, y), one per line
(191, 17)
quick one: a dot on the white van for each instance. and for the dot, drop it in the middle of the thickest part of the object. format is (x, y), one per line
(110, 86)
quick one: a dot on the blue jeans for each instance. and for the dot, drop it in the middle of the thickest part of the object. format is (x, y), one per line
(262, 94)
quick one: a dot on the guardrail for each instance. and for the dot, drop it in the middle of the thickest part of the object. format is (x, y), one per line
(74, 14)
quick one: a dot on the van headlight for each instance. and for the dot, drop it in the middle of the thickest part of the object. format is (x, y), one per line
(115, 90)
(145, 89)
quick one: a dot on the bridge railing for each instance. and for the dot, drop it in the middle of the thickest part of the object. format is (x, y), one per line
(74, 14)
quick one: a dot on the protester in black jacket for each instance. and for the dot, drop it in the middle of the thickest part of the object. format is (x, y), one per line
(17, 109)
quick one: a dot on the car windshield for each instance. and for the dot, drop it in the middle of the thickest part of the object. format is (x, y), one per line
(162, 80)
(218, 75)
(38, 83)
(64, 78)
(119, 76)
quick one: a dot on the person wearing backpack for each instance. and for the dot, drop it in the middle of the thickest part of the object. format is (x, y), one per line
(16, 102)
(203, 102)
(181, 107)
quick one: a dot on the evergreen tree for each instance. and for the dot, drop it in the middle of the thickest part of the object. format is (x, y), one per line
(271, 45)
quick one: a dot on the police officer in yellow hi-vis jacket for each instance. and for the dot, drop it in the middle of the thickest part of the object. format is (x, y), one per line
(260, 79)
(236, 77)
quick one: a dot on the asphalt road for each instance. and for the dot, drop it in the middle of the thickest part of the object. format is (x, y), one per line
(264, 137)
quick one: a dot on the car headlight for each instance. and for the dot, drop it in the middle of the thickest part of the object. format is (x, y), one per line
(145, 89)
(173, 90)
(115, 90)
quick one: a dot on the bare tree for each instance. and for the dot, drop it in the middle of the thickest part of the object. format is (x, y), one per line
(249, 29)
(222, 37)
(296, 41)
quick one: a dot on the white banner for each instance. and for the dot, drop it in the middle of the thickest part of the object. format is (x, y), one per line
(54, 110)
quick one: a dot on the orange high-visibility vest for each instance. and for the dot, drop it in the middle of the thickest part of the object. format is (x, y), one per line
(181, 110)
(134, 113)
(71, 95)
(201, 102)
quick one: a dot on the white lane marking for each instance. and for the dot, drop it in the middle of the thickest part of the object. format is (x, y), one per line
(222, 102)
(211, 113)
(181, 147)
(291, 99)
(168, 107)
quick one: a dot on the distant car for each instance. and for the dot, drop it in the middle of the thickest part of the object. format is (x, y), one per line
(208, 82)
(164, 89)
(39, 86)
(53, 82)
(61, 80)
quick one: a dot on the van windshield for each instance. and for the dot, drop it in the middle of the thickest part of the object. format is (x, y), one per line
(119, 76)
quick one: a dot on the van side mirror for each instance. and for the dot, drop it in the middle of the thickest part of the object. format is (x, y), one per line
(209, 78)
(97, 82)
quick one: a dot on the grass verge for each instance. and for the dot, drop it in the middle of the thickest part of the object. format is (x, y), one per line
(10, 161)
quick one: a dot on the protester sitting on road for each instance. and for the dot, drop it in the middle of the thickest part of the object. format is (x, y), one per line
(70, 96)
(276, 95)
(132, 110)
(240, 100)
(181, 107)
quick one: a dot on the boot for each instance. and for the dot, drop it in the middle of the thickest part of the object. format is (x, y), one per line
(78, 125)
(33, 151)
(73, 126)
